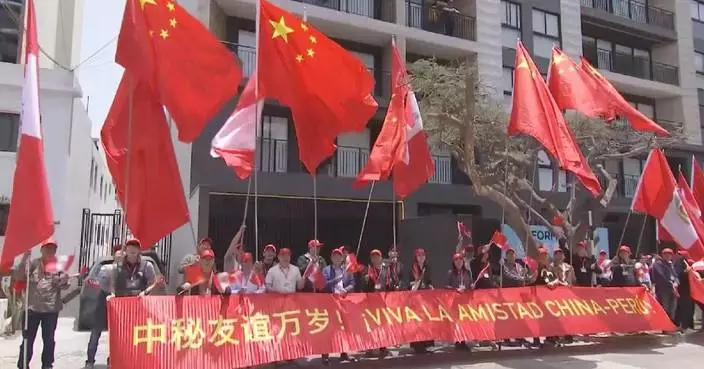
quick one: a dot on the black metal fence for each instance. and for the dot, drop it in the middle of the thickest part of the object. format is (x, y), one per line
(631, 65)
(377, 9)
(442, 20)
(634, 10)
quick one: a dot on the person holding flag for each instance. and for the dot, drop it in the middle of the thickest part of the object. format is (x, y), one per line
(623, 269)
(340, 282)
(269, 259)
(544, 277)
(665, 281)
(420, 280)
(481, 269)
(514, 274)
(310, 265)
(584, 266)
(199, 276)
(247, 280)
(396, 274)
(460, 280)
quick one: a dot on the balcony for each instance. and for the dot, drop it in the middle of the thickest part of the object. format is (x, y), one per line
(442, 20)
(376, 9)
(348, 161)
(635, 11)
(631, 65)
(629, 183)
(273, 155)
(443, 169)
(247, 55)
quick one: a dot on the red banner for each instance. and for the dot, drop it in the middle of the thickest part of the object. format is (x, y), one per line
(696, 290)
(211, 332)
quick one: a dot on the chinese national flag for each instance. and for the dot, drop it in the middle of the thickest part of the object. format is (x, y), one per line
(189, 70)
(142, 162)
(390, 147)
(536, 114)
(328, 89)
(500, 240)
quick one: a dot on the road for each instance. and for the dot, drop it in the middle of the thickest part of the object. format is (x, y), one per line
(632, 352)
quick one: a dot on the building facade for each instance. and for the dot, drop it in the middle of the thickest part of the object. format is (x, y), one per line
(76, 172)
(652, 52)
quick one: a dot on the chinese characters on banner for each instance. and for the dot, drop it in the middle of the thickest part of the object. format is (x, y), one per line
(212, 333)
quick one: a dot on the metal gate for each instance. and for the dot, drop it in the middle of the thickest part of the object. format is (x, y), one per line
(101, 231)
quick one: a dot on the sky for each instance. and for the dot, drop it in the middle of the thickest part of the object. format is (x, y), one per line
(100, 75)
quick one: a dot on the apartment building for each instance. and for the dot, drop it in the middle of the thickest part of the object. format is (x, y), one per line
(649, 51)
(76, 172)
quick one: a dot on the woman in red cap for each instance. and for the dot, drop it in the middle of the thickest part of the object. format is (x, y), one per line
(248, 280)
(665, 280)
(206, 264)
(460, 280)
(544, 276)
(623, 269)
(420, 280)
(377, 279)
(339, 282)
(269, 258)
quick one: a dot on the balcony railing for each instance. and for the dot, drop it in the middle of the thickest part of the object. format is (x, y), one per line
(247, 56)
(630, 182)
(382, 85)
(350, 160)
(273, 155)
(631, 65)
(442, 20)
(635, 11)
(443, 169)
(375, 9)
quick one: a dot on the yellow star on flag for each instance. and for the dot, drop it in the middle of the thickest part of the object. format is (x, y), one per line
(169, 5)
(523, 64)
(142, 3)
(173, 22)
(313, 40)
(559, 58)
(299, 58)
(304, 27)
(311, 52)
(164, 34)
(280, 29)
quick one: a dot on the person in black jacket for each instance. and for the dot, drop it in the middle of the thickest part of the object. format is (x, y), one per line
(545, 277)
(459, 279)
(623, 269)
(481, 269)
(420, 280)
(585, 266)
(514, 273)
(664, 278)
(684, 315)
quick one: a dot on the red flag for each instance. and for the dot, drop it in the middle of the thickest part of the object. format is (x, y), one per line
(221, 281)
(484, 273)
(31, 219)
(617, 105)
(570, 90)
(193, 274)
(352, 266)
(557, 220)
(698, 266)
(390, 146)
(236, 141)
(315, 275)
(696, 290)
(536, 114)
(189, 70)
(59, 264)
(698, 184)
(530, 263)
(327, 88)
(141, 159)
(500, 240)
(658, 195)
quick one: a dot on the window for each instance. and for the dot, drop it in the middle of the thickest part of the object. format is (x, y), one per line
(546, 32)
(442, 159)
(4, 212)
(92, 169)
(10, 15)
(9, 129)
(510, 24)
(246, 51)
(697, 10)
(546, 175)
(507, 84)
(699, 62)
(632, 168)
(352, 153)
(272, 151)
(366, 59)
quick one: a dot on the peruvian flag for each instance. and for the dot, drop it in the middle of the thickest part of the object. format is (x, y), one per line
(31, 218)
(658, 195)
(689, 200)
(315, 275)
(500, 240)
(484, 273)
(698, 266)
(222, 281)
(697, 182)
(236, 141)
(59, 264)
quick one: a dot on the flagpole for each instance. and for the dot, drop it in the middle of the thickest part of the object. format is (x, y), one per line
(364, 220)
(625, 224)
(257, 119)
(530, 205)
(640, 235)
(393, 215)
(314, 174)
(503, 215)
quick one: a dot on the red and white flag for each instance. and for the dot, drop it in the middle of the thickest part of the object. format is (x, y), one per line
(484, 273)
(315, 275)
(236, 141)
(351, 264)
(222, 281)
(697, 182)
(698, 266)
(31, 218)
(659, 195)
(59, 264)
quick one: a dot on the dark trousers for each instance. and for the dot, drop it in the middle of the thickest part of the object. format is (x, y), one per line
(95, 334)
(48, 323)
(668, 301)
(685, 312)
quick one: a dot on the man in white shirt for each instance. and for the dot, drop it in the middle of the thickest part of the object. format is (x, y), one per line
(283, 277)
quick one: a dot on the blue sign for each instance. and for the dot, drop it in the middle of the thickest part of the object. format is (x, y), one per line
(545, 236)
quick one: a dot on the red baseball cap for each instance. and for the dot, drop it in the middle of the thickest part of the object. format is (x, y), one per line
(510, 249)
(270, 247)
(558, 250)
(457, 256)
(542, 251)
(314, 243)
(582, 244)
(667, 251)
(133, 242)
(206, 239)
(284, 251)
(683, 252)
(420, 251)
(207, 254)
(49, 243)
(624, 248)
(337, 251)
(375, 252)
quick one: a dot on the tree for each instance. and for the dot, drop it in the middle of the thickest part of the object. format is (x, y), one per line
(471, 123)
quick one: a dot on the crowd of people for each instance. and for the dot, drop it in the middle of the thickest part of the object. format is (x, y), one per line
(131, 274)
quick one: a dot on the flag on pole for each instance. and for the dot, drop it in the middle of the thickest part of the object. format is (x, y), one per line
(315, 275)
(236, 141)
(31, 219)
(223, 281)
(59, 264)
(535, 113)
(327, 88)
(697, 182)
(500, 240)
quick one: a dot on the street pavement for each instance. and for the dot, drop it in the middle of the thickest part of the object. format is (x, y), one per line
(628, 352)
